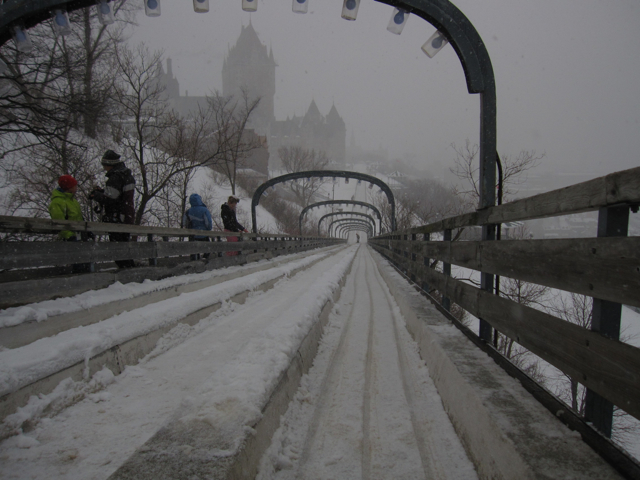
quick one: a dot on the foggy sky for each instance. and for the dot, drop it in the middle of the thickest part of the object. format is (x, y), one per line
(567, 74)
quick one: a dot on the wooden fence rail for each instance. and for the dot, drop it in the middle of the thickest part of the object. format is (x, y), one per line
(33, 271)
(606, 268)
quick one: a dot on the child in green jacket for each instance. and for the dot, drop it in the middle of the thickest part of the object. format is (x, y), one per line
(64, 206)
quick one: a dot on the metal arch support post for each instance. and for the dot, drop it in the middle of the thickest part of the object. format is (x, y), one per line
(339, 202)
(320, 174)
(351, 221)
(334, 214)
(478, 71)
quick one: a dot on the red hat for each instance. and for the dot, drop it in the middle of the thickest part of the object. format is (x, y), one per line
(67, 182)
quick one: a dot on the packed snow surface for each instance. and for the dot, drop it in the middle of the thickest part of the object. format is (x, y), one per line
(367, 405)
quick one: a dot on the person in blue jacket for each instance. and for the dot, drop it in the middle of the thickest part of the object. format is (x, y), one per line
(198, 217)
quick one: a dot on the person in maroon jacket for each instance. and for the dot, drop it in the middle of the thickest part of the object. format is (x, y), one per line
(117, 198)
(230, 222)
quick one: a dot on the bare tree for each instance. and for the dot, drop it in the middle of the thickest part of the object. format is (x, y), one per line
(231, 142)
(161, 143)
(297, 159)
(467, 167)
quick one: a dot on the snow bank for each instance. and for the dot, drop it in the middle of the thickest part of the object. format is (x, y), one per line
(25, 365)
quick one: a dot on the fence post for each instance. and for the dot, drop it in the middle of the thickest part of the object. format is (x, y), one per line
(612, 222)
(487, 284)
(153, 262)
(425, 262)
(446, 269)
(413, 255)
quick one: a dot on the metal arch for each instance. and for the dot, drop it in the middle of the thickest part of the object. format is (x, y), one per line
(333, 214)
(339, 202)
(346, 230)
(323, 173)
(478, 72)
(442, 14)
(354, 221)
(347, 220)
(32, 12)
(351, 223)
(343, 222)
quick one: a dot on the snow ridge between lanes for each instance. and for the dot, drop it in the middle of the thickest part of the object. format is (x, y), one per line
(22, 366)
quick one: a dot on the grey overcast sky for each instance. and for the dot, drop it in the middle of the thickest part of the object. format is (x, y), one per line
(567, 74)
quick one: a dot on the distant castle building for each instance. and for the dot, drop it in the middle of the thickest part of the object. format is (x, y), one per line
(250, 66)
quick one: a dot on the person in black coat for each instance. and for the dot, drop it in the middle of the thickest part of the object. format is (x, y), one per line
(229, 220)
(117, 198)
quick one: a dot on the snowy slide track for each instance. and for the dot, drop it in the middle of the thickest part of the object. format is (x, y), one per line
(367, 409)
(38, 367)
(205, 386)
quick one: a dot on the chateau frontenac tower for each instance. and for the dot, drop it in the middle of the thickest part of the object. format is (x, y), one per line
(248, 65)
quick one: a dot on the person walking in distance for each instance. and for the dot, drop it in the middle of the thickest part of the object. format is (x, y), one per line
(198, 217)
(230, 222)
(117, 198)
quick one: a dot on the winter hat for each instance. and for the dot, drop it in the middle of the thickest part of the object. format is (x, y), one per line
(67, 182)
(110, 158)
(232, 199)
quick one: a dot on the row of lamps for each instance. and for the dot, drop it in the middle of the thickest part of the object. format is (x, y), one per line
(152, 9)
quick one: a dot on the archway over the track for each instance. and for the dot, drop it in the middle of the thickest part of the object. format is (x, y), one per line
(365, 224)
(323, 174)
(340, 202)
(356, 214)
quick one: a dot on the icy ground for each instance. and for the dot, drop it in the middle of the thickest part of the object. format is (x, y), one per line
(223, 369)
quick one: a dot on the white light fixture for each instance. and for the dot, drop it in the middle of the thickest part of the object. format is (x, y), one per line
(61, 22)
(398, 21)
(152, 8)
(201, 6)
(105, 12)
(300, 6)
(350, 9)
(249, 5)
(436, 42)
(21, 38)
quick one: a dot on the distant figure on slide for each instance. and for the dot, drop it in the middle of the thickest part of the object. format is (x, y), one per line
(198, 217)
(228, 214)
(357, 238)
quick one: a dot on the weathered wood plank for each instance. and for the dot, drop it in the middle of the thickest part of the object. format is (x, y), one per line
(39, 254)
(607, 268)
(613, 189)
(45, 225)
(609, 367)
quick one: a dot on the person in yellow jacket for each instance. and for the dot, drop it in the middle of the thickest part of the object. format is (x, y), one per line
(64, 205)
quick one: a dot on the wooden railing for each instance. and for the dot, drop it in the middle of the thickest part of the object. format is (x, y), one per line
(606, 267)
(40, 261)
